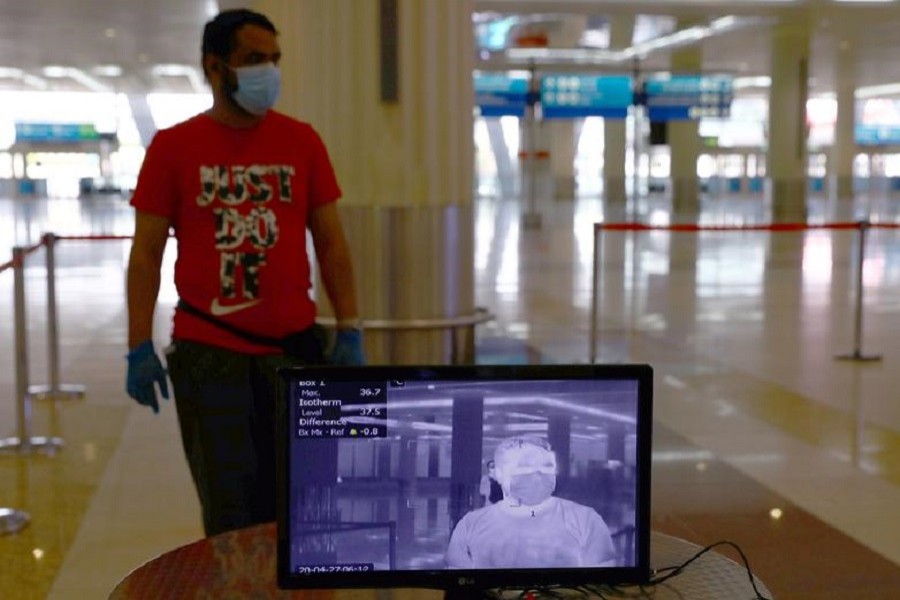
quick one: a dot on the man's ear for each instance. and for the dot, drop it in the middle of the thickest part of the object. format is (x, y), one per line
(211, 64)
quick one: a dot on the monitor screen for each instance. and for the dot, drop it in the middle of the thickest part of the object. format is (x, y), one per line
(463, 477)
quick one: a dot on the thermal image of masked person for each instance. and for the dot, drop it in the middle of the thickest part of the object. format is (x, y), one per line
(529, 527)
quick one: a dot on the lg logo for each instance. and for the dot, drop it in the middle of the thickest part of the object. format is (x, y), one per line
(466, 581)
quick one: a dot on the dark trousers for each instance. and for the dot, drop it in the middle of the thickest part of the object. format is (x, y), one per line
(226, 411)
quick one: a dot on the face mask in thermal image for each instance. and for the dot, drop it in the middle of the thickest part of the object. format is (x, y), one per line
(532, 489)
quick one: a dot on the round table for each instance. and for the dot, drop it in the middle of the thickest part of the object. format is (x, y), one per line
(241, 564)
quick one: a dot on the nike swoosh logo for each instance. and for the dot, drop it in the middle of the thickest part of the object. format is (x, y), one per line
(219, 310)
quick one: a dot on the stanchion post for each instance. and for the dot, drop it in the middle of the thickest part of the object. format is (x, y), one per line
(863, 227)
(595, 286)
(54, 390)
(531, 219)
(24, 443)
(12, 520)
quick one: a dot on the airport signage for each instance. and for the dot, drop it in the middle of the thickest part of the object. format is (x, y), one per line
(688, 97)
(501, 95)
(877, 135)
(65, 133)
(575, 96)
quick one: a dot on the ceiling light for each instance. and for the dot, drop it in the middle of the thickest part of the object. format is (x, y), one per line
(176, 70)
(169, 70)
(55, 71)
(35, 81)
(32, 80)
(641, 50)
(87, 81)
(724, 22)
(741, 83)
(58, 72)
(110, 33)
(878, 91)
(107, 70)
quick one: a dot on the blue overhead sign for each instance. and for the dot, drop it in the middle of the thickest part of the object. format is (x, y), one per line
(877, 135)
(56, 132)
(573, 96)
(501, 95)
(686, 97)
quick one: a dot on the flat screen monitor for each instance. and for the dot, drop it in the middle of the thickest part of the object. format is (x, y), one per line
(463, 478)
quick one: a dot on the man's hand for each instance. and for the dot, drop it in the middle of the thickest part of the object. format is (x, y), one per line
(347, 349)
(144, 369)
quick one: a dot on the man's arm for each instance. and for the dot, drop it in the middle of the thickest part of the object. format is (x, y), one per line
(457, 555)
(335, 264)
(150, 235)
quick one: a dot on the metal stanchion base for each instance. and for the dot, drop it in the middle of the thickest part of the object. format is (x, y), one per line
(531, 220)
(65, 391)
(12, 521)
(37, 444)
(859, 356)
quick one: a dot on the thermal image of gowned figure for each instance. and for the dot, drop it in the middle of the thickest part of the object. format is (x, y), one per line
(529, 527)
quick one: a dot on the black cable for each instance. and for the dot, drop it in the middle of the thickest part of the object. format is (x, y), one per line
(619, 591)
(677, 570)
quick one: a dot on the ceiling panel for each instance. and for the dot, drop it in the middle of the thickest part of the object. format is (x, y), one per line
(136, 34)
(129, 33)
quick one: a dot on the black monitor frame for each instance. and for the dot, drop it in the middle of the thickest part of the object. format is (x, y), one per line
(466, 583)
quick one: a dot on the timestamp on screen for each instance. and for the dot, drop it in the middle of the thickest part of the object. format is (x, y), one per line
(339, 568)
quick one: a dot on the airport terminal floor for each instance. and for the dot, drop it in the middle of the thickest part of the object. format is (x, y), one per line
(762, 436)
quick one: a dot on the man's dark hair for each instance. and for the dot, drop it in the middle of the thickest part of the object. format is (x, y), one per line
(220, 34)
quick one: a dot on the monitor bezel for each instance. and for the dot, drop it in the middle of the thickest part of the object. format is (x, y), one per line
(453, 580)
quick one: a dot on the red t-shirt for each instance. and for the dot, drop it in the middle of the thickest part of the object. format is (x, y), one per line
(239, 201)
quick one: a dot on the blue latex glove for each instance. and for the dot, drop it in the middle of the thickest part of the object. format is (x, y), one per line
(347, 349)
(144, 369)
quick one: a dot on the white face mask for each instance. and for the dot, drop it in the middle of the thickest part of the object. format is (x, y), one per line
(532, 489)
(258, 87)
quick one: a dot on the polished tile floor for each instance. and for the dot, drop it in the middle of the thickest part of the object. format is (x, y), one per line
(762, 436)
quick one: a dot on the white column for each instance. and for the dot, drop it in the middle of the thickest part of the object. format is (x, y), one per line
(562, 157)
(787, 131)
(415, 151)
(684, 142)
(615, 135)
(143, 118)
(405, 166)
(561, 132)
(843, 151)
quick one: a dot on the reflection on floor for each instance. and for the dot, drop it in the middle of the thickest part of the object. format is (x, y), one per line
(761, 437)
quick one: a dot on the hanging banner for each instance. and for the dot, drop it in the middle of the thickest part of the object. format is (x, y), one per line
(688, 97)
(56, 133)
(575, 96)
(877, 135)
(501, 95)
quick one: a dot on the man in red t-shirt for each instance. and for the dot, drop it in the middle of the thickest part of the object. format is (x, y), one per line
(240, 185)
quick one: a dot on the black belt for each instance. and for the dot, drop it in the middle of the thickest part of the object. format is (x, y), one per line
(307, 345)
